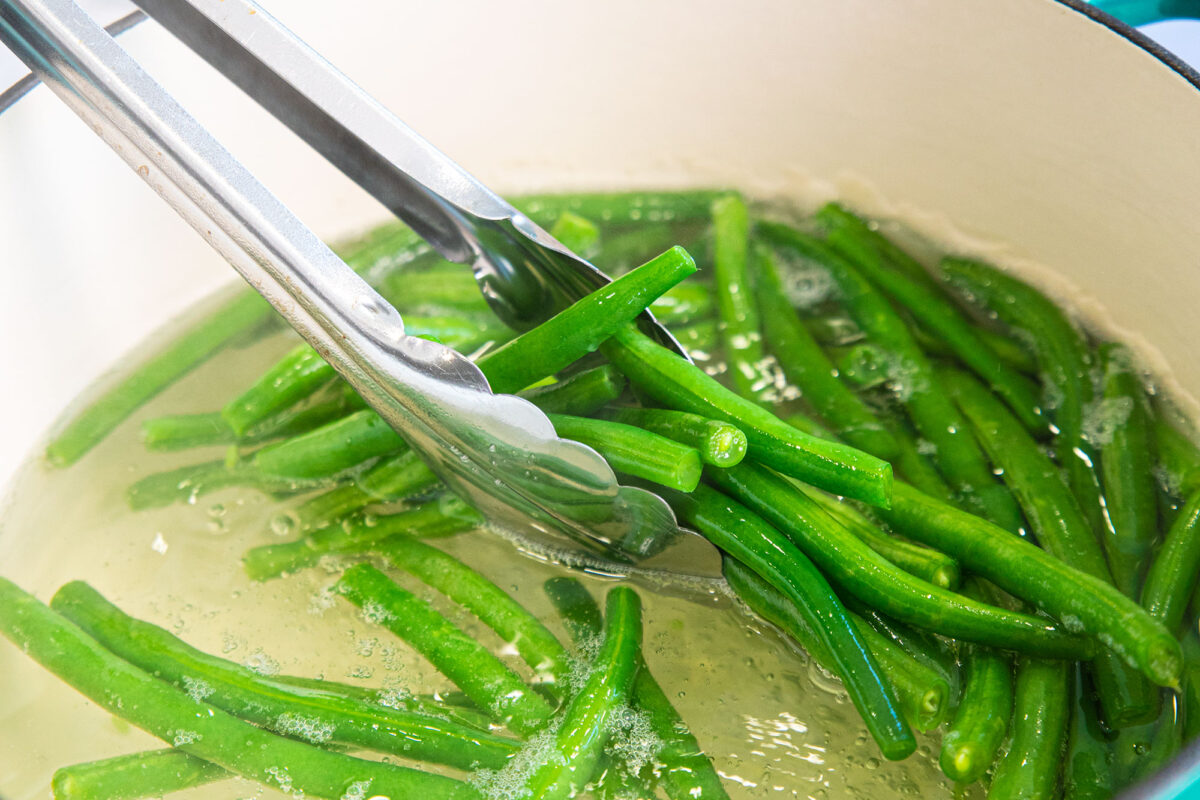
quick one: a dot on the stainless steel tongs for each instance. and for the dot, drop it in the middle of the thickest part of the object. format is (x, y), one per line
(498, 452)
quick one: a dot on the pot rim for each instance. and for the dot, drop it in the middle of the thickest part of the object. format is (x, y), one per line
(1136, 37)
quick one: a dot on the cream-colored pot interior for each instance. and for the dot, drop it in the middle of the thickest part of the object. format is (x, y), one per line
(1032, 132)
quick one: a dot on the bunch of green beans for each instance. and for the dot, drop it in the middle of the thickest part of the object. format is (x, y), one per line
(933, 481)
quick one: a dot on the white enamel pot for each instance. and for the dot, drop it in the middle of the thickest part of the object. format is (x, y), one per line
(1028, 131)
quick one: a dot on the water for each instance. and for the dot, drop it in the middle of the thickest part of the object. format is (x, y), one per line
(775, 725)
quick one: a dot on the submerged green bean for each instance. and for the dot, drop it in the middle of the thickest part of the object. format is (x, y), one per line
(200, 729)
(859, 570)
(1087, 771)
(741, 337)
(806, 365)
(586, 724)
(1030, 768)
(152, 773)
(1173, 574)
(316, 716)
(484, 678)
(1029, 573)
(749, 539)
(1127, 466)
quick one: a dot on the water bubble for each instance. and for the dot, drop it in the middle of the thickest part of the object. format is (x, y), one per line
(284, 523)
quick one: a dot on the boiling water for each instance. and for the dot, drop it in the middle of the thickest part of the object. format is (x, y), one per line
(774, 724)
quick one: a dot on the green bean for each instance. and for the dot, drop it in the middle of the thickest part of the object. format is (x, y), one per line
(752, 541)
(152, 773)
(1178, 455)
(578, 330)
(1058, 524)
(1052, 511)
(635, 451)
(246, 311)
(1127, 467)
(698, 339)
(932, 308)
(315, 717)
(922, 693)
(186, 484)
(181, 431)
(442, 517)
(578, 234)
(929, 565)
(580, 394)
(956, 453)
(684, 303)
(720, 443)
(484, 678)
(1030, 768)
(587, 723)
(1172, 575)
(1087, 771)
(329, 450)
(438, 291)
(578, 610)
(970, 745)
(833, 330)
(673, 382)
(914, 466)
(183, 355)
(859, 570)
(1088, 604)
(837, 218)
(932, 652)
(1064, 358)
(395, 477)
(686, 772)
(471, 590)
(741, 338)
(197, 728)
(805, 365)
(1191, 686)
(868, 366)
(1009, 350)
(293, 378)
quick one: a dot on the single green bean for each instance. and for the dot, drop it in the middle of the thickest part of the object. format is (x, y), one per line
(329, 450)
(635, 451)
(1191, 686)
(186, 484)
(741, 338)
(578, 234)
(471, 590)
(181, 431)
(1088, 604)
(720, 444)
(981, 722)
(838, 218)
(197, 728)
(1173, 573)
(315, 717)
(956, 453)
(1127, 467)
(152, 773)
(294, 377)
(587, 722)
(444, 516)
(1065, 360)
(930, 307)
(1178, 455)
(686, 772)
(578, 330)
(675, 383)
(684, 303)
(1030, 768)
(1058, 524)
(484, 678)
(580, 394)
(914, 466)
(805, 365)
(929, 565)
(859, 570)
(751, 540)
(1087, 772)
(1141, 750)
(922, 693)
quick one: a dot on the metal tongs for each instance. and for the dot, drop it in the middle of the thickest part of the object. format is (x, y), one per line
(498, 452)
